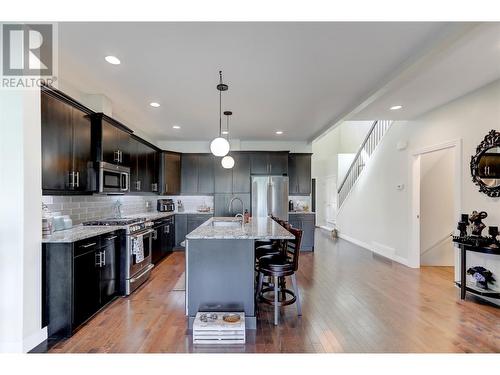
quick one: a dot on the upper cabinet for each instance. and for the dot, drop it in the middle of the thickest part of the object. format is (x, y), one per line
(66, 145)
(144, 166)
(111, 140)
(299, 172)
(197, 174)
(236, 179)
(269, 163)
(170, 173)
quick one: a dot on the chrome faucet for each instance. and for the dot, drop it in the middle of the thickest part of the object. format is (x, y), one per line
(242, 206)
(118, 209)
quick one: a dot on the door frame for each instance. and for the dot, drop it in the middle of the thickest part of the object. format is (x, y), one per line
(415, 160)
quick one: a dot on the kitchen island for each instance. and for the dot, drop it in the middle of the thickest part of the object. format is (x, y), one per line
(220, 265)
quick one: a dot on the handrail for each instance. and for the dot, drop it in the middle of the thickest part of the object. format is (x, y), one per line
(357, 155)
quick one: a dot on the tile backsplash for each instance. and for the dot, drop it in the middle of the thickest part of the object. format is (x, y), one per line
(87, 207)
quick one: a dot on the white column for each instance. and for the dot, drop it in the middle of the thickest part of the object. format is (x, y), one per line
(20, 220)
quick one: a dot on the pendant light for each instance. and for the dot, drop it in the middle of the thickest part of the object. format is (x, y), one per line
(227, 161)
(220, 146)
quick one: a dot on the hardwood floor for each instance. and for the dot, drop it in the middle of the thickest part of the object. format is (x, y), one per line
(352, 301)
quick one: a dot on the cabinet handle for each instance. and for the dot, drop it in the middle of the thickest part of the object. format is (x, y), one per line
(116, 156)
(166, 188)
(77, 179)
(89, 245)
(98, 260)
(111, 238)
(71, 179)
(120, 156)
(155, 235)
(167, 229)
(103, 258)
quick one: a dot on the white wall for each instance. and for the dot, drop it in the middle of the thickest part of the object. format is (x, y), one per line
(20, 221)
(437, 211)
(378, 215)
(346, 138)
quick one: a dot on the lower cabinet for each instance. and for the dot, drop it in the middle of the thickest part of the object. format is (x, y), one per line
(306, 222)
(78, 279)
(186, 223)
(163, 238)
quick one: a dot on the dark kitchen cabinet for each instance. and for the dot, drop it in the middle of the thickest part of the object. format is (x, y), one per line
(86, 289)
(170, 173)
(205, 174)
(78, 280)
(221, 204)
(259, 163)
(233, 180)
(197, 174)
(180, 230)
(66, 145)
(144, 166)
(195, 220)
(241, 173)
(306, 222)
(299, 172)
(269, 162)
(189, 173)
(111, 140)
(223, 177)
(163, 238)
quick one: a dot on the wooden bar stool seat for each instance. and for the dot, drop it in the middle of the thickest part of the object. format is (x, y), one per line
(277, 267)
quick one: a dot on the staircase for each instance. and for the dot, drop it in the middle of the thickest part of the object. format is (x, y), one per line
(376, 133)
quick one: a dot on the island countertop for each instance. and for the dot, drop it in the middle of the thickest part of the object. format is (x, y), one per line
(259, 228)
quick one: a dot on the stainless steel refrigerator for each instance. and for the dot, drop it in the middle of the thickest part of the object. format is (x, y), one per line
(270, 196)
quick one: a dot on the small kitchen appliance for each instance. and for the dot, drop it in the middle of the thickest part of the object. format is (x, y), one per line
(165, 205)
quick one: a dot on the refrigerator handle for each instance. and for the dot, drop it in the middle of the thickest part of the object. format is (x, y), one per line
(269, 198)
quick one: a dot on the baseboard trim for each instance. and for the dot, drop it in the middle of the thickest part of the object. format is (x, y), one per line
(374, 249)
(34, 339)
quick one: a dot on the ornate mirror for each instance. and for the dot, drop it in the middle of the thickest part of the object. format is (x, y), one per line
(485, 165)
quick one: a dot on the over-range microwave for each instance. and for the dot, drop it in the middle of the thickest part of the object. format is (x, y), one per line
(112, 178)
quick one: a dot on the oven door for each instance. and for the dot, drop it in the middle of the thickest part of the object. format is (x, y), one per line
(146, 238)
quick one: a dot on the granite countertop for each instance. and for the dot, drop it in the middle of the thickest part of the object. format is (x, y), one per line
(301, 212)
(81, 232)
(78, 232)
(259, 228)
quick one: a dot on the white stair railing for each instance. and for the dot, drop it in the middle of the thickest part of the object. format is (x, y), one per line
(376, 133)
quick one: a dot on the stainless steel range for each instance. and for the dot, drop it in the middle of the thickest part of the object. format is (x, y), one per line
(135, 263)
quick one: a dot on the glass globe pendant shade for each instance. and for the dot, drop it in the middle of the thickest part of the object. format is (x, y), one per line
(219, 146)
(227, 162)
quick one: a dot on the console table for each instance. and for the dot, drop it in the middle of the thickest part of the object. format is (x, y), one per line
(464, 288)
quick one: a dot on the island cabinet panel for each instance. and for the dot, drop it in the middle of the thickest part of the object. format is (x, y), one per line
(299, 172)
(66, 145)
(170, 173)
(220, 275)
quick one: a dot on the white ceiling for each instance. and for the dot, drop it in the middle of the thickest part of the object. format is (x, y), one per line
(452, 70)
(294, 77)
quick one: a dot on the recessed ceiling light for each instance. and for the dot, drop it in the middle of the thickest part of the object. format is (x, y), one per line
(396, 107)
(176, 127)
(154, 104)
(225, 132)
(279, 132)
(112, 60)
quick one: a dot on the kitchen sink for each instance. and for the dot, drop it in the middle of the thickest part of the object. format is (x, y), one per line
(228, 223)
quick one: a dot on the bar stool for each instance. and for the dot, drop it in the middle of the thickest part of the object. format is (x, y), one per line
(278, 267)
